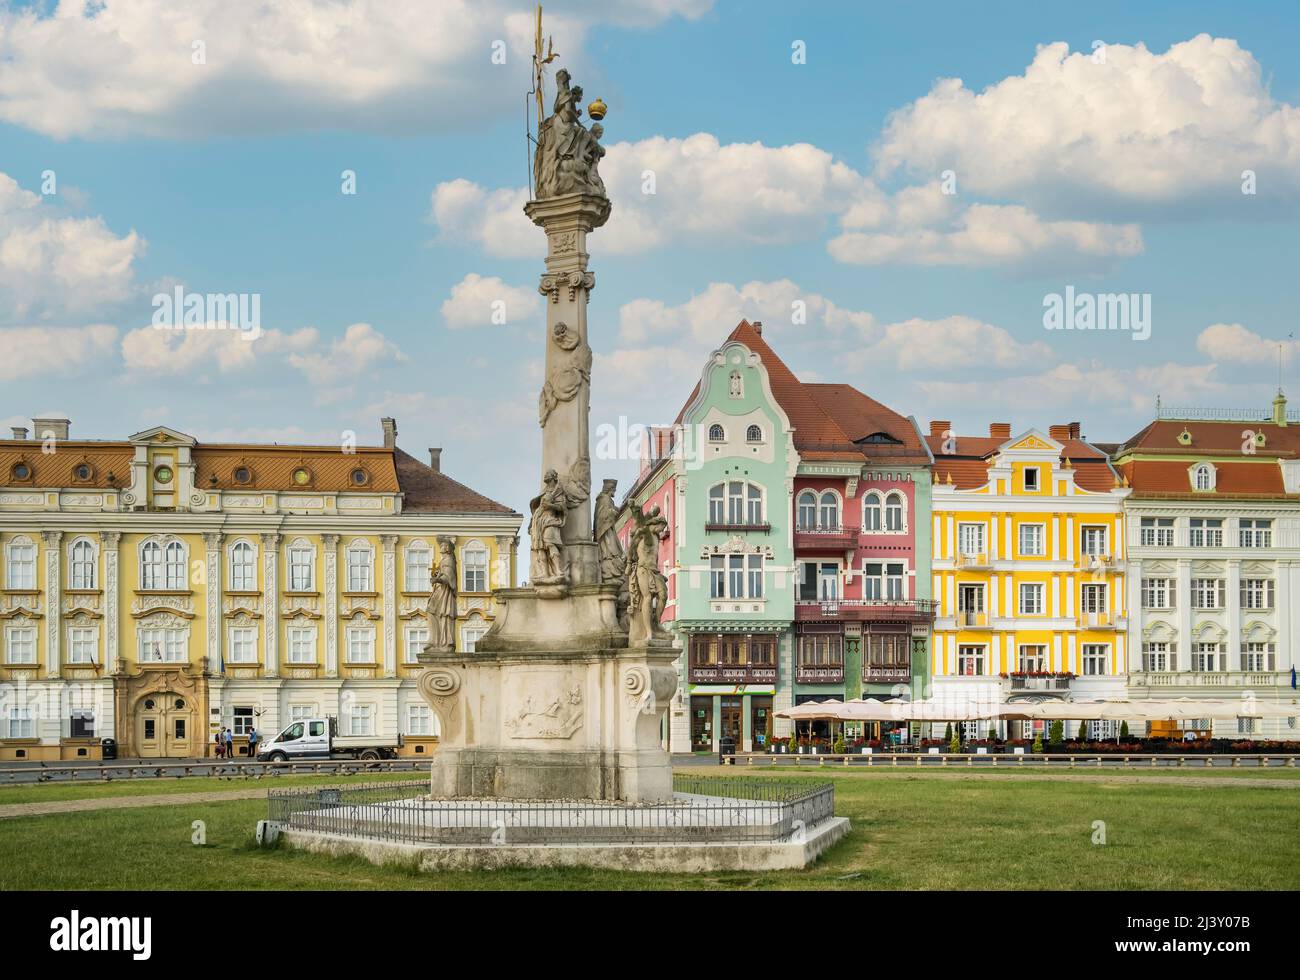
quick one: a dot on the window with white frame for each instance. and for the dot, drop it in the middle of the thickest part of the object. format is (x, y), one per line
(1158, 655)
(175, 572)
(1157, 532)
(1095, 658)
(151, 565)
(302, 567)
(1207, 593)
(1205, 532)
(807, 511)
(83, 644)
(754, 434)
(361, 567)
(1092, 598)
(873, 581)
(1203, 477)
(416, 636)
(81, 723)
(1033, 658)
(970, 598)
(1246, 726)
(735, 576)
(754, 582)
(20, 644)
(474, 567)
(1255, 533)
(301, 712)
(1093, 540)
(717, 577)
(1158, 593)
(20, 723)
(417, 566)
(828, 511)
(1207, 657)
(718, 504)
(243, 645)
(1032, 540)
(736, 502)
(716, 433)
(1031, 598)
(471, 633)
(895, 575)
(302, 644)
(242, 720)
(81, 566)
(1257, 593)
(1031, 478)
(970, 660)
(361, 644)
(894, 512)
(162, 645)
(419, 719)
(753, 505)
(243, 567)
(872, 512)
(1257, 656)
(20, 564)
(970, 539)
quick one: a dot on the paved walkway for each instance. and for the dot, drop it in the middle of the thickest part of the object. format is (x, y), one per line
(126, 802)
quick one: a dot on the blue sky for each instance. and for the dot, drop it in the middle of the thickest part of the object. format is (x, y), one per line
(777, 183)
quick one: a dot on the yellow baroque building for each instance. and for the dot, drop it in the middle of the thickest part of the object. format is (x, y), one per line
(1028, 567)
(158, 589)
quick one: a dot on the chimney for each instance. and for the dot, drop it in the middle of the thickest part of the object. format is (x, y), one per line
(939, 426)
(51, 428)
(19, 432)
(1075, 430)
(390, 432)
(1059, 432)
(1000, 430)
(758, 327)
(435, 459)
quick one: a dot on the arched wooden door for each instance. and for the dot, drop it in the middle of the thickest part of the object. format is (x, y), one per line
(164, 724)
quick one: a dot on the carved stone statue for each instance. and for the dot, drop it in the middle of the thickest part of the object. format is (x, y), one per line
(646, 584)
(605, 534)
(548, 510)
(567, 153)
(442, 599)
(570, 371)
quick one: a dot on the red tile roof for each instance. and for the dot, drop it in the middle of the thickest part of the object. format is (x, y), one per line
(968, 464)
(1237, 472)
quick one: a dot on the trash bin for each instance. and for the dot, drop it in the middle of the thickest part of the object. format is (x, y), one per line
(108, 748)
(726, 747)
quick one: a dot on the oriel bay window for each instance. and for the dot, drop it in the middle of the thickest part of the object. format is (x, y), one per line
(821, 650)
(721, 656)
(888, 649)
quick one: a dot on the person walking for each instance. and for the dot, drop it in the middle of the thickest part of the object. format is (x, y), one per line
(221, 745)
(230, 746)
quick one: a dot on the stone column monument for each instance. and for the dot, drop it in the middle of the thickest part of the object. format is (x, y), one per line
(555, 702)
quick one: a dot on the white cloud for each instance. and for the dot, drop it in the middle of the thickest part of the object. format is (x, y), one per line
(473, 303)
(1232, 343)
(492, 220)
(51, 264)
(126, 67)
(953, 343)
(54, 352)
(360, 349)
(158, 352)
(1140, 128)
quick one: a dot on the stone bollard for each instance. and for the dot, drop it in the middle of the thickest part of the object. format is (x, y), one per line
(1236, 762)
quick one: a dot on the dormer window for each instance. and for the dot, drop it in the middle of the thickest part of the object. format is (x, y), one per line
(1203, 477)
(21, 472)
(243, 475)
(1031, 478)
(716, 433)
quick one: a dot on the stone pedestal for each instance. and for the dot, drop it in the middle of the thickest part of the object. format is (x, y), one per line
(552, 705)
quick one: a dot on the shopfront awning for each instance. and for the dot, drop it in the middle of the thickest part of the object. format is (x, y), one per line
(731, 690)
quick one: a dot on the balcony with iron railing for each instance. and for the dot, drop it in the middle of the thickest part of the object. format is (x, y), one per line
(972, 620)
(1044, 681)
(819, 538)
(753, 673)
(761, 527)
(819, 673)
(1097, 563)
(972, 561)
(1102, 621)
(866, 610)
(886, 673)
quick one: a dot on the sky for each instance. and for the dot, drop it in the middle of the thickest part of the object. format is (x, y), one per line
(897, 190)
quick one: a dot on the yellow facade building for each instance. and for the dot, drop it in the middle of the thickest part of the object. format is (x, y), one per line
(158, 589)
(1028, 568)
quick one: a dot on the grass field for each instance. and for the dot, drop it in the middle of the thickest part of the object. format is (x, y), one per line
(929, 830)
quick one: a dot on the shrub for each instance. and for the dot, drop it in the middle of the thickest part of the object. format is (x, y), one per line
(1123, 730)
(947, 732)
(838, 747)
(993, 735)
(1083, 731)
(1056, 733)
(1038, 743)
(954, 743)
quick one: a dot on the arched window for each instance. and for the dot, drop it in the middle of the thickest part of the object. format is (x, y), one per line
(716, 433)
(20, 564)
(754, 434)
(82, 565)
(737, 385)
(174, 565)
(829, 513)
(417, 564)
(151, 572)
(807, 517)
(1203, 477)
(243, 567)
(474, 567)
(473, 631)
(717, 505)
(894, 512)
(871, 512)
(361, 567)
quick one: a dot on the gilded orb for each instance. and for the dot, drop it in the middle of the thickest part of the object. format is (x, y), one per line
(596, 109)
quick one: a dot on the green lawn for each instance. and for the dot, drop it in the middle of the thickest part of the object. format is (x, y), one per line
(924, 831)
(52, 791)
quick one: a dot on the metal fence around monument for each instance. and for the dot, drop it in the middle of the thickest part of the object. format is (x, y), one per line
(705, 809)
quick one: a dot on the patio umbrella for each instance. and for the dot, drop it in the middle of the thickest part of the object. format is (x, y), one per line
(828, 710)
